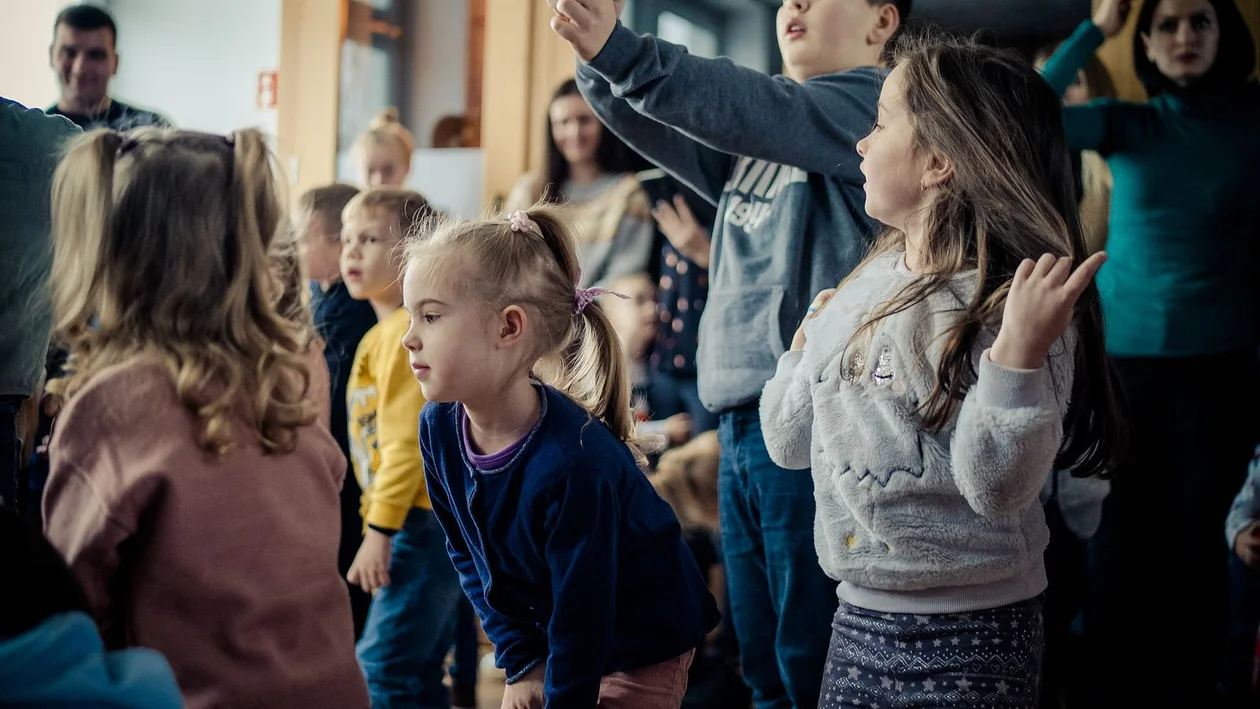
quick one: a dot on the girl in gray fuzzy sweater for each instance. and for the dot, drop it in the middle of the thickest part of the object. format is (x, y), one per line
(941, 384)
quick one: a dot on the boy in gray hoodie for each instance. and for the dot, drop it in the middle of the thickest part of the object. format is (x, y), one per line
(777, 155)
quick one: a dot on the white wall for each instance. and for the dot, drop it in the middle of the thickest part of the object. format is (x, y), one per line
(439, 65)
(197, 62)
(25, 33)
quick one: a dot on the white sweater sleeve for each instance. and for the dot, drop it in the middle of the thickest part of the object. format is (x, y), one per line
(1010, 428)
(787, 413)
(1246, 507)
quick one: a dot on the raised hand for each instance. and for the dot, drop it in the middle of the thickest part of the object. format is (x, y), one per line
(1039, 308)
(1111, 16)
(585, 24)
(683, 230)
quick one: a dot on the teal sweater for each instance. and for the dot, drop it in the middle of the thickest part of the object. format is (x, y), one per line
(1185, 214)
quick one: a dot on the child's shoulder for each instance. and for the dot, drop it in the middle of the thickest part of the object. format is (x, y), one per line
(136, 396)
(573, 439)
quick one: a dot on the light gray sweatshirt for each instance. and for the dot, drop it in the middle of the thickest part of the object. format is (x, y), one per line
(911, 521)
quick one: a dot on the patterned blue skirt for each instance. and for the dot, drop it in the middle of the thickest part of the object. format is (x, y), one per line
(989, 658)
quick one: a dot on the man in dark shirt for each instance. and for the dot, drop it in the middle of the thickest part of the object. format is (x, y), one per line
(83, 55)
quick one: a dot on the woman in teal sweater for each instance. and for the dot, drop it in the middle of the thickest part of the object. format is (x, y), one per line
(1180, 297)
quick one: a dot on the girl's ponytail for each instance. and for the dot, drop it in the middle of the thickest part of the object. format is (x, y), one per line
(82, 193)
(592, 370)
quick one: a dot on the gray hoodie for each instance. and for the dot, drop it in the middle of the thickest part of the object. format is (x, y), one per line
(779, 160)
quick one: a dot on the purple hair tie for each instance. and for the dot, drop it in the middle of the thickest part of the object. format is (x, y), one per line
(586, 296)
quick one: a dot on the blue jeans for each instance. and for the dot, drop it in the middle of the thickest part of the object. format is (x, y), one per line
(781, 602)
(409, 628)
(671, 394)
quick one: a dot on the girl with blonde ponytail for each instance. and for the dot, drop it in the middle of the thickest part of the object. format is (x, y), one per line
(574, 564)
(191, 489)
(383, 152)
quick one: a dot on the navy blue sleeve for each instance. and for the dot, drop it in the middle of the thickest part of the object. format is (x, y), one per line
(517, 648)
(813, 125)
(581, 551)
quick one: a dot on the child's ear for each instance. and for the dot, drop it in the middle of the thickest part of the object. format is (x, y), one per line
(939, 171)
(1146, 45)
(887, 26)
(513, 322)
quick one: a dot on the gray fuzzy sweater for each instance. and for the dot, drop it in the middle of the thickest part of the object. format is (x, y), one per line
(911, 521)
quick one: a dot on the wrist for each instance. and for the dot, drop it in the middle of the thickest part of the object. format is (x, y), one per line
(1005, 354)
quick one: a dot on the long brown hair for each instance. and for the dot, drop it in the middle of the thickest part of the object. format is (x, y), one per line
(579, 354)
(1011, 197)
(162, 242)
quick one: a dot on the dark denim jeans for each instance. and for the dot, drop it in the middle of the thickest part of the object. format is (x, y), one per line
(781, 602)
(409, 626)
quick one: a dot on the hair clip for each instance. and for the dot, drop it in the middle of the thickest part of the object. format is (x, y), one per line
(586, 296)
(521, 223)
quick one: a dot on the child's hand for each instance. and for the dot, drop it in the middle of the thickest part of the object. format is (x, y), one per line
(1247, 545)
(370, 569)
(683, 230)
(678, 429)
(1111, 16)
(1039, 309)
(820, 300)
(585, 24)
(526, 692)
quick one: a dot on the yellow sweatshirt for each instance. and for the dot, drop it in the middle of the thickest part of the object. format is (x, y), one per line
(384, 402)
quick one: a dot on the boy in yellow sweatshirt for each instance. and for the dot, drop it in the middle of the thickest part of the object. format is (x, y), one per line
(403, 557)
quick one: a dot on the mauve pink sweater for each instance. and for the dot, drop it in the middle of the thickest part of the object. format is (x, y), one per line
(227, 565)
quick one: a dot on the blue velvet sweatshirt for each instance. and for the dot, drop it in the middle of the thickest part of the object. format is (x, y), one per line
(566, 551)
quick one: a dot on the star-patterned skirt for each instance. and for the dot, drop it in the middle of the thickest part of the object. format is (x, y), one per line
(989, 658)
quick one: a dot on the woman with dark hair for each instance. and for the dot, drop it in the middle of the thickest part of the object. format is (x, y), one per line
(1181, 299)
(590, 175)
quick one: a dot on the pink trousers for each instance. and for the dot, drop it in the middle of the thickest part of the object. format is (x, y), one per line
(659, 686)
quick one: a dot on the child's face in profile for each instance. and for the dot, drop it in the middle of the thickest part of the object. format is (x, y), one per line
(455, 348)
(895, 170)
(368, 266)
(320, 248)
(634, 318)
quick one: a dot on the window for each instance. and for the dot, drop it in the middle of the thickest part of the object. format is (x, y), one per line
(700, 40)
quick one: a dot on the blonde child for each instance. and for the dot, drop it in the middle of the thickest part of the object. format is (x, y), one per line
(402, 559)
(189, 490)
(574, 564)
(384, 151)
(632, 312)
(943, 382)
